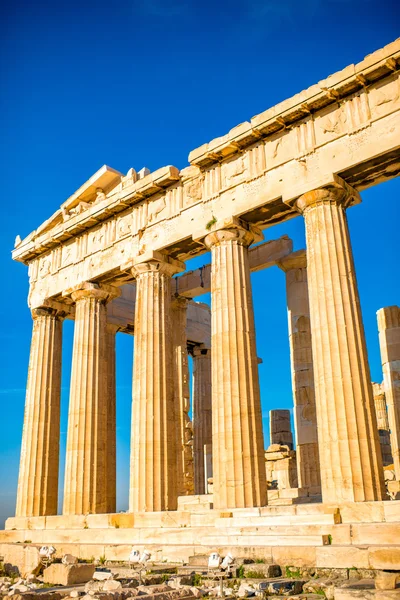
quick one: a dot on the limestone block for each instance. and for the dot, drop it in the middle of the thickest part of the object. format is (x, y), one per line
(17, 523)
(392, 511)
(112, 586)
(362, 512)
(376, 533)
(66, 522)
(25, 558)
(60, 574)
(394, 489)
(342, 557)
(386, 581)
(363, 593)
(122, 520)
(98, 521)
(301, 557)
(384, 557)
(280, 429)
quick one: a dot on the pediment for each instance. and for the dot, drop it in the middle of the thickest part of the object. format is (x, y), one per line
(93, 190)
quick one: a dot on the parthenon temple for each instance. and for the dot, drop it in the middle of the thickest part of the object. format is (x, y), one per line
(201, 477)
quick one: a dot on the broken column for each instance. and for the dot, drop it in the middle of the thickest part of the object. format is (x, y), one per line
(389, 341)
(184, 451)
(111, 452)
(202, 417)
(305, 418)
(383, 423)
(280, 429)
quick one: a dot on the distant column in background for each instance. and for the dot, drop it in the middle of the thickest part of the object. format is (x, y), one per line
(279, 428)
(111, 452)
(389, 340)
(305, 418)
(202, 415)
(383, 423)
(184, 451)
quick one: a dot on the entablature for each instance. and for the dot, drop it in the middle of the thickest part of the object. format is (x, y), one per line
(354, 136)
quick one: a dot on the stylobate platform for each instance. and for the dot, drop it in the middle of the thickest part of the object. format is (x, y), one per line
(362, 535)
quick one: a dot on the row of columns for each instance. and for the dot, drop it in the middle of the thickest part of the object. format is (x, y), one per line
(331, 380)
(90, 466)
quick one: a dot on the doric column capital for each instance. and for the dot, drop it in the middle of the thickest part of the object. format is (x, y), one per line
(103, 293)
(229, 230)
(158, 262)
(295, 260)
(47, 311)
(179, 302)
(337, 192)
(43, 311)
(112, 328)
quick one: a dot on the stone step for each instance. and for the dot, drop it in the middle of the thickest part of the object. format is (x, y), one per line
(264, 540)
(307, 519)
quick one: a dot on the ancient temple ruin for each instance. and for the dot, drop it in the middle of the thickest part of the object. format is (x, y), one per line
(112, 258)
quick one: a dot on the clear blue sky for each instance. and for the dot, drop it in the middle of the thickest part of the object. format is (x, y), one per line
(133, 84)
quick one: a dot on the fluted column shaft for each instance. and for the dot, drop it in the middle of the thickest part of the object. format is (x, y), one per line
(202, 414)
(350, 457)
(111, 452)
(389, 340)
(305, 418)
(38, 475)
(85, 488)
(153, 483)
(237, 438)
(184, 451)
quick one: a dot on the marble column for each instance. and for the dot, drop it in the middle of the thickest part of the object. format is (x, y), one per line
(349, 452)
(111, 451)
(389, 341)
(38, 474)
(237, 437)
(153, 482)
(184, 451)
(202, 414)
(305, 418)
(383, 423)
(85, 489)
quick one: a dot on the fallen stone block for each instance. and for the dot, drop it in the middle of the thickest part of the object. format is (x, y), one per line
(261, 570)
(386, 580)
(69, 559)
(364, 590)
(23, 560)
(102, 575)
(286, 587)
(111, 585)
(60, 574)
